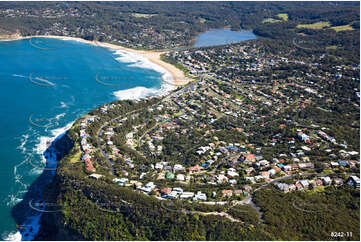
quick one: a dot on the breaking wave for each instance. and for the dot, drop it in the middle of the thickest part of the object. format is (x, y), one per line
(13, 236)
(136, 93)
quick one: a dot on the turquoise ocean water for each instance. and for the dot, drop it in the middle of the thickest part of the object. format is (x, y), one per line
(46, 84)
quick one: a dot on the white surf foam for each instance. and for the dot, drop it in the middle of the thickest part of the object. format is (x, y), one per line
(135, 93)
(16, 75)
(31, 226)
(13, 200)
(59, 131)
(13, 236)
(24, 139)
(18, 177)
(45, 141)
(57, 117)
(35, 171)
(32, 223)
(67, 104)
(136, 60)
(63, 105)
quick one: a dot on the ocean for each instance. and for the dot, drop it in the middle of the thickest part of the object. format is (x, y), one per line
(46, 84)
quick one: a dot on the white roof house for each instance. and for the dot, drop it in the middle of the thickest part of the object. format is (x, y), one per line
(283, 187)
(95, 176)
(178, 167)
(200, 196)
(272, 172)
(232, 173)
(159, 166)
(173, 194)
(354, 181)
(186, 195)
(326, 180)
(180, 177)
(177, 189)
(304, 183)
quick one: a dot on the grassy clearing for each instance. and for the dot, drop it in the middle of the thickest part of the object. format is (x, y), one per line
(283, 16)
(316, 190)
(328, 171)
(237, 96)
(143, 15)
(202, 20)
(331, 47)
(342, 28)
(318, 25)
(77, 156)
(177, 114)
(271, 20)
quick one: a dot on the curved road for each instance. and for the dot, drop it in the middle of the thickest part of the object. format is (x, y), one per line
(109, 163)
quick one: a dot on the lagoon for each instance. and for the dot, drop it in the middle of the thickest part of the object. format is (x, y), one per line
(224, 36)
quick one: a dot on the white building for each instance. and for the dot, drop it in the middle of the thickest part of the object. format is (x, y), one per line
(200, 196)
(186, 195)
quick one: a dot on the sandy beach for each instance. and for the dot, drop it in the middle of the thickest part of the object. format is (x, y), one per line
(179, 78)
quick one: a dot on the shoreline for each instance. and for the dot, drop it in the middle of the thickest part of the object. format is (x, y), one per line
(178, 77)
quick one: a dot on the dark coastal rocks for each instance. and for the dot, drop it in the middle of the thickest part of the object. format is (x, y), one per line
(42, 191)
(63, 146)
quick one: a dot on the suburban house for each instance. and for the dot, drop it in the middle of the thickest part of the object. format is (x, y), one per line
(195, 169)
(200, 196)
(186, 195)
(282, 187)
(353, 181)
(95, 176)
(227, 193)
(326, 180)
